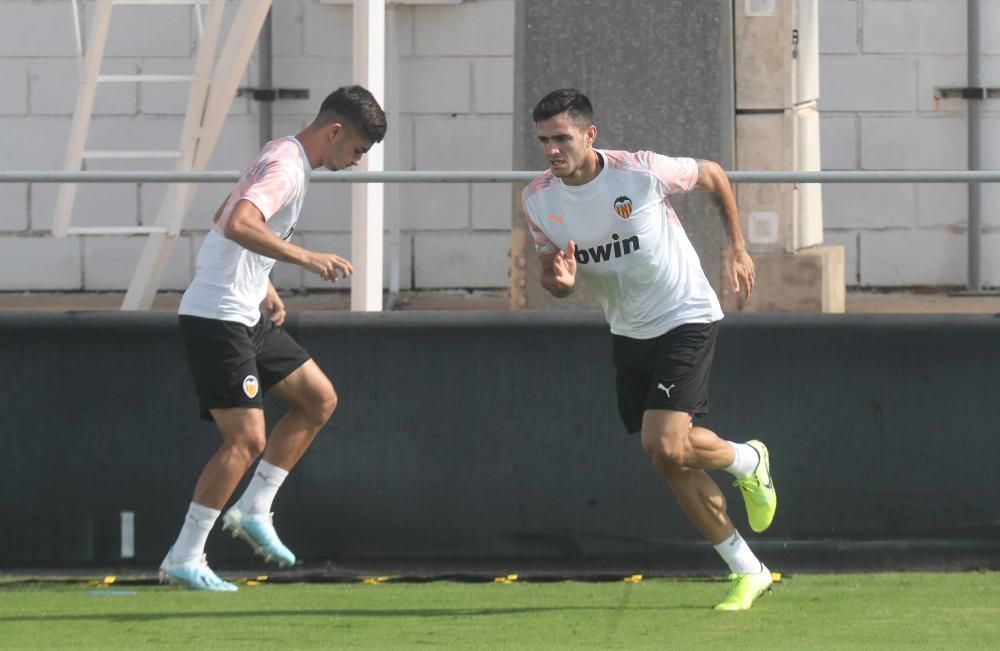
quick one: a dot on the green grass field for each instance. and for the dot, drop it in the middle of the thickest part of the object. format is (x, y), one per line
(932, 611)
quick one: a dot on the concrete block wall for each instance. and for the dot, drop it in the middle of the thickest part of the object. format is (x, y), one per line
(780, 217)
(449, 92)
(777, 125)
(880, 61)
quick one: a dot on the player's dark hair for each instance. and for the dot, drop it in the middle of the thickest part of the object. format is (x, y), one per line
(358, 108)
(565, 100)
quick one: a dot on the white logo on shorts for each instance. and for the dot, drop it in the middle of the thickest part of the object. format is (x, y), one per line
(251, 386)
(665, 390)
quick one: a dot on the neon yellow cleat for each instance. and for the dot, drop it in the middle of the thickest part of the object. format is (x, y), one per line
(746, 588)
(758, 491)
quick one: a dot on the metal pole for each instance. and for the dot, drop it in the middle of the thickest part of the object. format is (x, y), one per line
(266, 68)
(494, 176)
(392, 99)
(367, 199)
(975, 190)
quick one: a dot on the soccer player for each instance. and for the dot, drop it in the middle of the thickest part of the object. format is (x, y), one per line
(605, 215)
(230, 320)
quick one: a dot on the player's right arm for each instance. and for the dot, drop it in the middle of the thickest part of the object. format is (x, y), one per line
(559, 271)
(246, 227)
(558, 266)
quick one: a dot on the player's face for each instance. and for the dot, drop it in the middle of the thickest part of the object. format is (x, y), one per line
(345, 147)
(566, 143)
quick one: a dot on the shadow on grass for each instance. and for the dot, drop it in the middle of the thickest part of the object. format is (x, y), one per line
(401, 612)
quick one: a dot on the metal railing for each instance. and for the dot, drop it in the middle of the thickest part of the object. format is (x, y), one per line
(736, 176)
(970, 177)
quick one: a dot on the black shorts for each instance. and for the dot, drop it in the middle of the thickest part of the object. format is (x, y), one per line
(666, 372)
(234, 365)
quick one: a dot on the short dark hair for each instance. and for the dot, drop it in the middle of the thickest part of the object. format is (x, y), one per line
(356, 106)
(564, 100)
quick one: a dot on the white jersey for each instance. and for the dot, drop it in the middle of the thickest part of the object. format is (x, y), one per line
(230, 281)
(631, 248)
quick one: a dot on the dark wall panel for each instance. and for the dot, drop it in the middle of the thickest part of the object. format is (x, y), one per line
(490, 436)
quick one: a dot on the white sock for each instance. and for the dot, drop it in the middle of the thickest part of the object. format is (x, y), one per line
(264, 485)
(190, 543)
(736, 552)
(745, 462)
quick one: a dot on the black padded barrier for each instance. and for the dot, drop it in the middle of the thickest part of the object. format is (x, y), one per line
(493, 437)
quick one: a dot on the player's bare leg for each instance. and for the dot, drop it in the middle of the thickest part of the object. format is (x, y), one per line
(682, 453)
(312, 400)
(242, 442)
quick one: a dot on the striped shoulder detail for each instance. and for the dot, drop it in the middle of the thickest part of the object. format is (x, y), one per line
(539, 183)
(639, 161)
(618, 160)
(281, 148)
(675, 174)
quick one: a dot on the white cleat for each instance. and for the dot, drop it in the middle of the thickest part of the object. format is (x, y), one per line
(195, 574)
(257, 530)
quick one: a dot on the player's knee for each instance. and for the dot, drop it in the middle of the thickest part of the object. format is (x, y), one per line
(322, 404)
(255, 446)
(664, 449)
(248, 448)
(327, 403)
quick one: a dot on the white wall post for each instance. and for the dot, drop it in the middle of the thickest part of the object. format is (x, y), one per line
(367, 198)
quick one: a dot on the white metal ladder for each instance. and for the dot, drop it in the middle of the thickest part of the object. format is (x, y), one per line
(213, 87)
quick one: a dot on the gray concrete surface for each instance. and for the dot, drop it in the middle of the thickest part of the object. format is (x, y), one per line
(858, 302)
(680, 106)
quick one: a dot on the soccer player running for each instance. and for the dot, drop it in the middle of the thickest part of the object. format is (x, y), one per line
(230, 320)
(605, 216)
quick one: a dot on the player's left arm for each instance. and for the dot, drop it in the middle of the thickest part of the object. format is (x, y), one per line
(273, 305)
(739, 267)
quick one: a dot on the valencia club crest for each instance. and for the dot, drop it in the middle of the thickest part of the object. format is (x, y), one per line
(623, 206)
